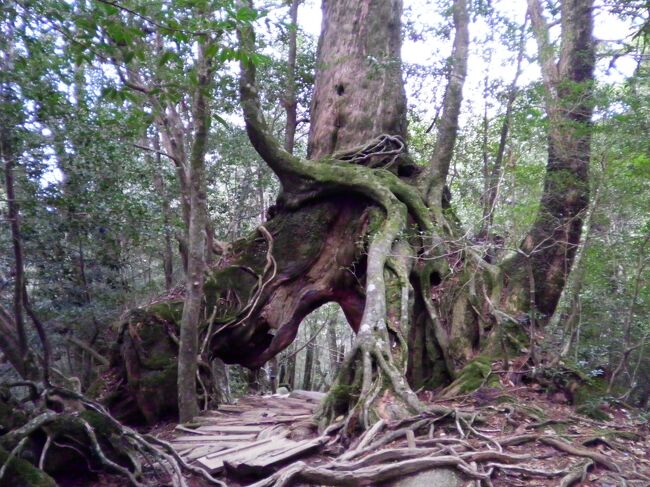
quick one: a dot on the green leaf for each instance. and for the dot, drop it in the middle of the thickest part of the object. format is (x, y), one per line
(107, 8)
(246, 14)
(193, 78)
(228, 54)
(211, 51)
(118, 33)
(166, 57)
(220, 120)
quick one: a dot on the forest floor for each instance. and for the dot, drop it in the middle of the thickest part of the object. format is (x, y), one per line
(517, 436)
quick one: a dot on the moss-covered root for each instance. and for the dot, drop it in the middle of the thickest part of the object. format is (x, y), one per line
(19, 472)
(476, 374)
(369, 387)
(62, 442)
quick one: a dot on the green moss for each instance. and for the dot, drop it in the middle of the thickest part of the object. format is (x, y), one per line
(505, 399)
(159, 360)
(568, 378)
(300, 235)
(340, 396)
(96, 388)
(170, 311)
(102, 426)
(559, 428)
(476, 374)
(67, 425)
(375, 219)
(229, 280)
(532, 411)
(161, 379)
(21, 473)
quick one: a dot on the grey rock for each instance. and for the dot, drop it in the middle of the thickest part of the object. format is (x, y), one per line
(439, 477)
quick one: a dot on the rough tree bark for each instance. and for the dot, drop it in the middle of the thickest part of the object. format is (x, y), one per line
(553, 240)
(290, 102)
(188, 348)
(359, 224)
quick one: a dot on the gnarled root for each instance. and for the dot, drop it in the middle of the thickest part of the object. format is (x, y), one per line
(369, 388)
(370, 385)
(86, 430)
(454, 442)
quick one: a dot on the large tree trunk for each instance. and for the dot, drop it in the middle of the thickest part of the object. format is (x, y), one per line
(359, 225)
(553, 241)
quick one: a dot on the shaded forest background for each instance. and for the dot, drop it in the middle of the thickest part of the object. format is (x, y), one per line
(101, 204)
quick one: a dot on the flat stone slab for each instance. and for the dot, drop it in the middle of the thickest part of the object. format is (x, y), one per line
(439, 477)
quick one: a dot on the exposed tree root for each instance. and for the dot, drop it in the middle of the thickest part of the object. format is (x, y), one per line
(385, 452)
(113, 446)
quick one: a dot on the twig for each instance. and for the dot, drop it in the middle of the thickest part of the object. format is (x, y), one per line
(46, 447)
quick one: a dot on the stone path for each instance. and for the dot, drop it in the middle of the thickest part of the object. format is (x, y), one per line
(252, 436)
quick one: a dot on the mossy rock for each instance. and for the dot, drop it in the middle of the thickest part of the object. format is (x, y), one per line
(101, 425)
(229, 280)
(21, 473)
(147, 362)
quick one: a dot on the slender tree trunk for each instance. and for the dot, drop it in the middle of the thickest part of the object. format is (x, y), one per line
(220, 372)
(333, 350)
(13, 215)
(188, 347)
(159, 184)
(435, 179)
(290, 374)
(570, 299)
(628, 322)
(290, 102)
(273, 374)
(493, 175)
(309, 366)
